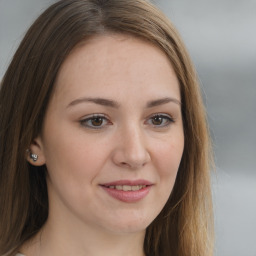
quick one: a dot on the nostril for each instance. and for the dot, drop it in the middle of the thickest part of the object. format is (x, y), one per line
(124, 158)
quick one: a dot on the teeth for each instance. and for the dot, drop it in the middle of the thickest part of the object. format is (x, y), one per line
(127, 187)
(134, 188)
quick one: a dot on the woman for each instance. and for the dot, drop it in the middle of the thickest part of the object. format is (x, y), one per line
(104, 144)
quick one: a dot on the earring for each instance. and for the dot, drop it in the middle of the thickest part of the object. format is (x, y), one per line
(34, 157)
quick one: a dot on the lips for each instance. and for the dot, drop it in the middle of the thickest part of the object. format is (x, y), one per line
(127, 187)
(128, 182)
(127, 191)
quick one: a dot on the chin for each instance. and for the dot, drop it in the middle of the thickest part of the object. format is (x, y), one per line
(130, 225)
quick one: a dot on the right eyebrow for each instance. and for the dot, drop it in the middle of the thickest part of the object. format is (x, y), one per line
(162, 101)
(99, 101)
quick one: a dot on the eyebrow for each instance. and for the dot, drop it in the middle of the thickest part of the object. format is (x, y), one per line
(158, 102)
(99, 101)
(114, 104)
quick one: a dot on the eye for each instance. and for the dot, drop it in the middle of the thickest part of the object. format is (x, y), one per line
(160, 120)
(95, 121)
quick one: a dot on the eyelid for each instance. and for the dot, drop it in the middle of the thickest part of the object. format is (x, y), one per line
(91, 117)
(163, 115)
(84, 121)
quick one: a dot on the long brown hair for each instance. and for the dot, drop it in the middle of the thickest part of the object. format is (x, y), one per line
(184, 227)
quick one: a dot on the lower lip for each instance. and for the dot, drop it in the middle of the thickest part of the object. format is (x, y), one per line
(128, 196)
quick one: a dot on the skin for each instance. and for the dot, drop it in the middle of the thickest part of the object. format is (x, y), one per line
(129, 142)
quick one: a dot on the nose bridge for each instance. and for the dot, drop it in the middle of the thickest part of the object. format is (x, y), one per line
(132, 149)
(134, 141)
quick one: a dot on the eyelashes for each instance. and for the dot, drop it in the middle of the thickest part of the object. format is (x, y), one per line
(95, 121)
(101, 121)
(160, 120)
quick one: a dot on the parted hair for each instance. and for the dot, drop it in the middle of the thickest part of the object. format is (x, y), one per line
(185, 225)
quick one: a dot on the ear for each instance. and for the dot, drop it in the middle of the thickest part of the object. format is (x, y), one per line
(35, 153)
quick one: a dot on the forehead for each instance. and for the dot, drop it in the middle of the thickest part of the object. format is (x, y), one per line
(114, 61)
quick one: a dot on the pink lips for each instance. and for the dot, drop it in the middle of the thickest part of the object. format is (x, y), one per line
(140, 188)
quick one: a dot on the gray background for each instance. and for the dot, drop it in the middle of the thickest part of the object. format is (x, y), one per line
(221, 38)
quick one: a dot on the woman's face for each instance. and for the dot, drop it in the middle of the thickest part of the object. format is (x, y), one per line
(112, 138)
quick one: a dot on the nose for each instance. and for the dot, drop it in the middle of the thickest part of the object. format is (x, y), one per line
(131, 150)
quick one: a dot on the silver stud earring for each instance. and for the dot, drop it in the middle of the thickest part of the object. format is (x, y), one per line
(34, 157)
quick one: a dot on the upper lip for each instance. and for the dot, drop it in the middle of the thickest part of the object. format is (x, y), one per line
(127, 182)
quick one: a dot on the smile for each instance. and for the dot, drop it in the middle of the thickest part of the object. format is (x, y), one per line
(127, 187)
(128, 191)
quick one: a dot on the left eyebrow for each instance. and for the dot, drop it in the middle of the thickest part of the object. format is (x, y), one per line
(158, 102)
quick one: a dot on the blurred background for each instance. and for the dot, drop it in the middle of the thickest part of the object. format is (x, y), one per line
(221, 39)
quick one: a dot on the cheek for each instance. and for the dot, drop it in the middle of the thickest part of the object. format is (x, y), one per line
(71, 158)
(74, 159)
(73, 163)
(168, 156)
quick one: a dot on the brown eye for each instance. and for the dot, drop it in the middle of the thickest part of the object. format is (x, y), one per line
(160, 120)
(157, 120)
(97, 121)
